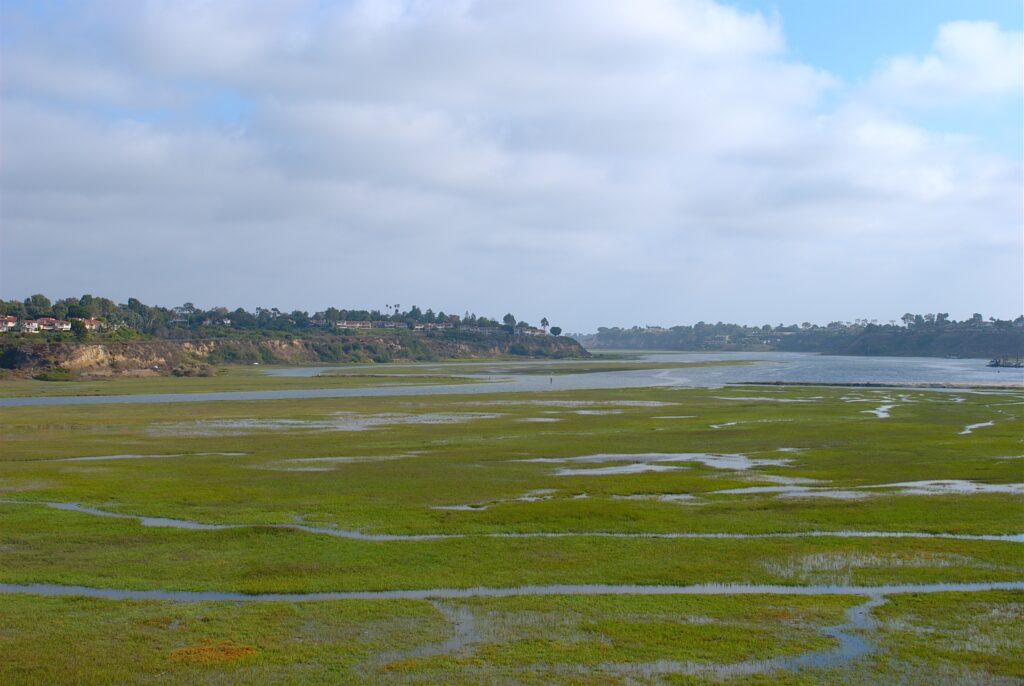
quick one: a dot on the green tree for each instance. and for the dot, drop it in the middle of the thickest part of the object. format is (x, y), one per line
(509, 319)
(37, 305)
(79, 331)
(556, 331)
(544, 322)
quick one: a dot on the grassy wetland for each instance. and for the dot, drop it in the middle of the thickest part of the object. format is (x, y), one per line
(829, 514)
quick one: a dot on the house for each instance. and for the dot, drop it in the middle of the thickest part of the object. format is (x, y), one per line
(29, 326)
(89, 323)
(349, 324)
(51, 324)
(8, 323)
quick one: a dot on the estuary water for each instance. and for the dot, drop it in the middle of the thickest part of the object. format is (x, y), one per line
(511, 377)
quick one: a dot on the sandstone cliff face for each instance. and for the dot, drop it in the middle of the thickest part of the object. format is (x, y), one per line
(163, 356)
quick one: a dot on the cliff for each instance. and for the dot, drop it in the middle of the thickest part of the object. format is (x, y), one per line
(167, 356)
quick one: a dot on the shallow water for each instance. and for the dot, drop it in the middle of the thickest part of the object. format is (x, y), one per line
(636, 468)
(685, 498)
(882, 411)
(734, 462)
(770, 368)
(932, 487)
(341, 421)
(464, 634)
(837, 494)
(145, 521)
(783, 491)
(141, 457)
(969, 429)
(766, 399)
(748, 421)
(851, 646)
(507, 592)
(950, 487)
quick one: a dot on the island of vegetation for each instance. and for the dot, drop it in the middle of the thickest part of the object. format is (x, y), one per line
(928, 335)
(89, 334)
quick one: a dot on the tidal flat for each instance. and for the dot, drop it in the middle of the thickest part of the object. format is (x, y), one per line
(353, 494)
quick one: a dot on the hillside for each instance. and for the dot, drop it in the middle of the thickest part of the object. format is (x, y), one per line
(193, 356)
(972, 338)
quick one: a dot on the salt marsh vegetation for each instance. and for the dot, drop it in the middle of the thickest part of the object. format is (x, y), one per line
(375, 503)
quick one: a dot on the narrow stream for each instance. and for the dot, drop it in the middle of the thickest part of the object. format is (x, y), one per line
(506, 592)
(851, 646)
(360, 536)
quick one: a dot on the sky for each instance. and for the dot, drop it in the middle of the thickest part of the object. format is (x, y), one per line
(650, 162)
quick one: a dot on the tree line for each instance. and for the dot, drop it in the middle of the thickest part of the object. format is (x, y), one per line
(134, 318)
(933, 334)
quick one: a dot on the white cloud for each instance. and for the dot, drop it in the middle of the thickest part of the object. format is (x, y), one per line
(656, 157)
(969, 59)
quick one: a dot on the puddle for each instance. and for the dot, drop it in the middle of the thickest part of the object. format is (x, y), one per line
(464, 630)
(762, 489)
(751, 421)
(934, 487)
(534, 496)
(789, 450)
(784, 480)
(677, 416)
(323, 464)
(725, 461)
(140, 457)
(597, 412)
(762, 398)
(882, 411)
(783, 491)
(951, 487)
(971, 427)
(342, 421)
(838, 567)
(349, 459)
(684, 498)
(539, 420)
(636, 468)
(837, 494)
(569, 404)
(507, 592)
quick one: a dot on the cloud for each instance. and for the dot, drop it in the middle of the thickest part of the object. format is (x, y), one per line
(659, 160)
(969, 59)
